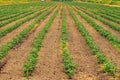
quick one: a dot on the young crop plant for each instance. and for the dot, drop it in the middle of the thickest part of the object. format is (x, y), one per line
(113, 26)
(33, 9)
(107, 17)
(107, 65)
(8, 19)
(17, 39)
(13, 9)
(69, 65)
(5, 31)
(16, 18)
(31, 61)
(105, 33)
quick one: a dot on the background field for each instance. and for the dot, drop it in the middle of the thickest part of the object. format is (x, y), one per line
(111, 2)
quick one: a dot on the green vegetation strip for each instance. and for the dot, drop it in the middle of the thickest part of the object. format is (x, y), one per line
(17, 18)
(5, 31)
(31, 61)
(110, 14)
(17, 39)
(69, 65)
(8, 10)
(20, 13)
(110, 24)
(105, 33)
(11, 16)
(108, 17)
(107, 65)
(105, 16)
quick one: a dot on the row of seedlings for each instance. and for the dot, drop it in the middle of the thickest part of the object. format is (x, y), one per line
(32, 58)
(8, 10)
(18, 38)
(18, 17)
(107, 65)
(7, 30)
(113, 26)
(105, 33)
(18, 14)
(106, 16)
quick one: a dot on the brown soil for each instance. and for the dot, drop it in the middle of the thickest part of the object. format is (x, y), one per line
(50, 65)
(106, 27)
(17, 56)
(103, 44)
(12, 34)
(87, 66)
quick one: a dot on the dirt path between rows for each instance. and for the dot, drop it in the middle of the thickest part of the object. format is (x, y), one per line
(103, 44)
(17, 56)
(50, 65)
(12, 34)
(106, 27)
(87, 66)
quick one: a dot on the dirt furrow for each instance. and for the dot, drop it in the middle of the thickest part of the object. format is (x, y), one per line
(49, 65)
(17, 56)
(106, 27)
(87, 66)
(12, 34)
(104, 45)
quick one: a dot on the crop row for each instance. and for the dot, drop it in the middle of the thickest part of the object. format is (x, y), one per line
(3, 32)
(105, 33)
(109, 13)
(16, 18)
(107, 65)
(112, 13)
(113, 26)
(20, 13)
(106, 16)
(17, 39)
(99, 8)
(69, 65)
(30, 63)
(7, 10)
